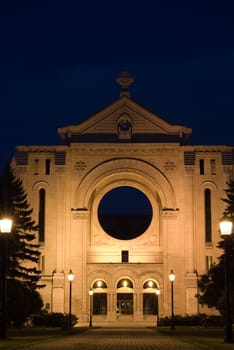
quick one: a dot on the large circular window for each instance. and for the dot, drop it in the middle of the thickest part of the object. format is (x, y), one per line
(124, 212)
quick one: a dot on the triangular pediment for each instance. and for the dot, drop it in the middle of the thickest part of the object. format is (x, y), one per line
(124, 120)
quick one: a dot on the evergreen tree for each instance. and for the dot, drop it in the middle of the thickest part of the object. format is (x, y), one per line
(229, 200)
(212, 284)
(22, 253)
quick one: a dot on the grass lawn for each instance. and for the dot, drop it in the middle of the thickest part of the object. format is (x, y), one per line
(20, 337)
(209, 338)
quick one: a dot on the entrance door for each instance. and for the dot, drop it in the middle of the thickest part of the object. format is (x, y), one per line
(125, 303)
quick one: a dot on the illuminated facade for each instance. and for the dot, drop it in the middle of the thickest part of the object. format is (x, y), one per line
(125, 146)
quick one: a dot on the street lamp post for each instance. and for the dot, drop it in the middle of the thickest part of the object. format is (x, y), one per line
(70, 277)
(225, 232)
(5, 227)
(172, 279)
(157, 292)
(90, 307)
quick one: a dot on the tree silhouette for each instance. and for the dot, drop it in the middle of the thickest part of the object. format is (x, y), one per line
(212, 284)
(21, 251)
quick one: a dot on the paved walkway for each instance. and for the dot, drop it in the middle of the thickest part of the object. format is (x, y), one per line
(115, 339)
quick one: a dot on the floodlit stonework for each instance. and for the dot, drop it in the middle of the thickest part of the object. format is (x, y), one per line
(125, 145)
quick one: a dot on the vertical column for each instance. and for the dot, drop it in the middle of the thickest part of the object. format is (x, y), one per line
(190, 276)
(108, 303)
(60, 218)
(141, 304)
(189, 222)
(78, 262)
(112, 309)
(191, 291)
(173, 254)
(137, 309)
(58, 285)
(134, 304)
(58, 293)
(114, 303)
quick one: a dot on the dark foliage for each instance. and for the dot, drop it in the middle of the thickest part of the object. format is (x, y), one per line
(22, 302)
(21, 248)
(212, 285)
(193, 320)
(53, 319)
(21, 252)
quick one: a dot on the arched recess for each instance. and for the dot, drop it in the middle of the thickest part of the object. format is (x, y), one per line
(40, 184)
(150, 291)
(40, 205)
(37, 186)
(125, 171)
(99, 298)
(124, 293)
(209, 204)
(209, 184)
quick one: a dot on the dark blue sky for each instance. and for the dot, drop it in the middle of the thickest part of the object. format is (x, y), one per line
(130, 201)
(59, 61)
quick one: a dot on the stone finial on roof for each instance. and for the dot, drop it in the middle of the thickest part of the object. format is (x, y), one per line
(124, 80)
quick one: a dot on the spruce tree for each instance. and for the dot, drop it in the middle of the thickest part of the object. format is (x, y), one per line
(23, 254)
(229, 200)
(212, 284)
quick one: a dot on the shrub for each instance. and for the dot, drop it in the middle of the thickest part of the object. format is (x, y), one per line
(193, 320)
(54, 319)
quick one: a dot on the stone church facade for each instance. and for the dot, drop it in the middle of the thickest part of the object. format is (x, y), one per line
(125, 146)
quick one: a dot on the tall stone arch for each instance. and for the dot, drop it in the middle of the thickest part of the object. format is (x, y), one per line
(113, 172)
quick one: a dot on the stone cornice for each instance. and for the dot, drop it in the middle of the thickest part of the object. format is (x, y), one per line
(124, 149)
(37, 148)
(79, 213)
(169, 213)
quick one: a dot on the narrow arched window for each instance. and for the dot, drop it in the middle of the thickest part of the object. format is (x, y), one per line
(47, 167)
(208, 226)
(201, 166)
(41, 219)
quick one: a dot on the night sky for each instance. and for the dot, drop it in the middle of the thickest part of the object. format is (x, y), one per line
(59, 61)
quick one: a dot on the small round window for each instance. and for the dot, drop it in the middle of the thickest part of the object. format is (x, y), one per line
(125, 212)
